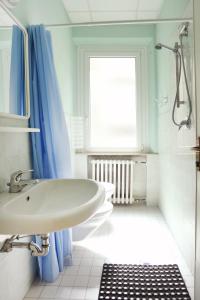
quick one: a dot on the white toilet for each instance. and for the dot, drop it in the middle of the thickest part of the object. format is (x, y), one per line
(88, 227)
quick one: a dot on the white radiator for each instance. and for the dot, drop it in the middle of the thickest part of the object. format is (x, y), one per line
(118, 172)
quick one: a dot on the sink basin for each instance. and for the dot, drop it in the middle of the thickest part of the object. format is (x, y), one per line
(49, 205)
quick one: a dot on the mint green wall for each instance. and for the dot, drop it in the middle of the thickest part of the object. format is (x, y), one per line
(175, 9)
(64, 62)
(5, 35)
(135, 35)
(118, 31)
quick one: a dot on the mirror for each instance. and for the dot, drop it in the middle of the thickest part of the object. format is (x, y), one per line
(14, 84)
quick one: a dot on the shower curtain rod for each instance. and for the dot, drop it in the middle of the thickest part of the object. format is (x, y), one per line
(127, 22)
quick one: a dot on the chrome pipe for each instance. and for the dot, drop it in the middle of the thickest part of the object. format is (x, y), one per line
(35, 249)
(43, 250)
(107, 23)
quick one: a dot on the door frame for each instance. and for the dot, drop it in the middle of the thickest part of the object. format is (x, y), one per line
(196, 24)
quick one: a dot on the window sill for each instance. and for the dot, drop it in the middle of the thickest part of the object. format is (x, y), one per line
(120, 152)
(18, 129)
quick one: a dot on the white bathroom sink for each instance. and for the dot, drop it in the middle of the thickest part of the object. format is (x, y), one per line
(49, 205)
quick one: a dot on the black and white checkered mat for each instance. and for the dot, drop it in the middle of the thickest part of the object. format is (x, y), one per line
(142, 282)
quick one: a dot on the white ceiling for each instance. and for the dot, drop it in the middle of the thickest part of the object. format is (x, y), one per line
(82, 11)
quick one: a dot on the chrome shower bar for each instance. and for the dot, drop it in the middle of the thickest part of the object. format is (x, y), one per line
(180, 64)
(125, 22)
(107, 23)
(175, 50)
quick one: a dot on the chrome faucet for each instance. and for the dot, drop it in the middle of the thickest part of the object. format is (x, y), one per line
(16, 183)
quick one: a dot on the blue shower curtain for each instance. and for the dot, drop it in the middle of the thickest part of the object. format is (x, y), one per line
(17, 74)
(50, 148)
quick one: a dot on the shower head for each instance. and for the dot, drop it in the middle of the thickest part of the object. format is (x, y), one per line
(159, 46)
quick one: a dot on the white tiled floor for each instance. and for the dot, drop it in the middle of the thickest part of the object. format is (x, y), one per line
(135, 234)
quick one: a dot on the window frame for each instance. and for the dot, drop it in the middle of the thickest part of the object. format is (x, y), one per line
(142, 94)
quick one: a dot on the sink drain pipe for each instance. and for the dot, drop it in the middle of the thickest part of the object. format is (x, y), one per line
(35, 249)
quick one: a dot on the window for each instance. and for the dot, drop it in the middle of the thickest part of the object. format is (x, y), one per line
(112, 97)
(112, 102)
